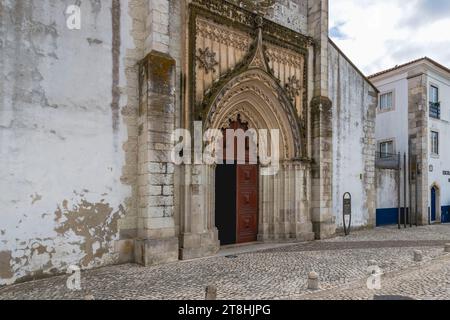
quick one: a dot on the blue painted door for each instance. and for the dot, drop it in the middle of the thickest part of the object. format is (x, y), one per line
(433, 204)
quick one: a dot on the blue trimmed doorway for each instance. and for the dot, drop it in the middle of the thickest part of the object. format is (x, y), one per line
(433, 204)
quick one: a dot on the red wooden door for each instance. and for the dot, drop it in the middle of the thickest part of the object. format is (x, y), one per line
(247, 203)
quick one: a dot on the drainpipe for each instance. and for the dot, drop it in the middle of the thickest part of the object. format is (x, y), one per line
(410, 191)
(417, 191)
(399, 193)
(405, 201)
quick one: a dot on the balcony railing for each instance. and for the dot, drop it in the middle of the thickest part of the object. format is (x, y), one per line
(435, 110)
(387, 160)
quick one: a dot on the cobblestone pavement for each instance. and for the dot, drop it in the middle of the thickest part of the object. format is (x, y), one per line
(429, 281)
(278, 273)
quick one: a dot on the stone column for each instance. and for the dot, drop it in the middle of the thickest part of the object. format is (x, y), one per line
(158, 24)
(418, 140)
(157, 241)
(199, 236)
(318, 29)
(323, 218)
(303, 224)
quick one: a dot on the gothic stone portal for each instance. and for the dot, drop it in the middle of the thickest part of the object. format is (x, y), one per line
(254, 70)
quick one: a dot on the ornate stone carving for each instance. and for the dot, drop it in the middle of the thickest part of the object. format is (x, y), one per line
(250, 79)
(207, 60)
(321, 104)
(293, 87)
(226, 36)
(214, 22)
(257, 6)
(259, 59)
(283, 56)
(231, 14)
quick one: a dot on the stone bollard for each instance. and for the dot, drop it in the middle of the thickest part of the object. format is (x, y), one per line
(447, 247)
(313, 281)
(372, 263)
(418, 256)
(211, 293)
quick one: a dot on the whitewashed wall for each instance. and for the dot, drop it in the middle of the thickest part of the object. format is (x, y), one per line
(387, 189)
(353, 143)
(392, 125)
(62, 135)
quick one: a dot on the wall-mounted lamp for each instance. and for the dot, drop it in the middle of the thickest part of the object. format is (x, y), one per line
(418, 169)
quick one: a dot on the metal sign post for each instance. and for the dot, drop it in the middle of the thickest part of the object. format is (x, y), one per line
(347, 212)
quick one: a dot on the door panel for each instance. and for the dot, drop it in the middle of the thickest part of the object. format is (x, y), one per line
(433, 204)
(226, 203)
(247, 203)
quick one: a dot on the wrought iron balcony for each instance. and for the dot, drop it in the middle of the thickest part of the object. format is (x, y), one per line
(435, 110)
(387, 160)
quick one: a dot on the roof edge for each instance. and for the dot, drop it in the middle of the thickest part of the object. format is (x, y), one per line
(398, 67)
(353, 65)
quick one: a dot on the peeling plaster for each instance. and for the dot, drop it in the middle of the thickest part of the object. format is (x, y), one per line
(94, 41)
(95, 223)
(35, 198)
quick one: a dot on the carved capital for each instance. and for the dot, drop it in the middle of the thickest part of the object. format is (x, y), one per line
(320, 105)
(158, 69)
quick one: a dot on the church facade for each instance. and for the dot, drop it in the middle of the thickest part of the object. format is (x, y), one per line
(88, 117)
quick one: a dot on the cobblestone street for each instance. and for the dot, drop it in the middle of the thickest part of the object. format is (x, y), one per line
(276, 273)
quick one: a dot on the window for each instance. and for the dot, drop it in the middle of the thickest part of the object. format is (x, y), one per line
(434, 142)
(434, 94)
(386, 102)
(386, 149)
(435, 106)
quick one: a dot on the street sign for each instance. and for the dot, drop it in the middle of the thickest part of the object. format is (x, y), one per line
(347, 212)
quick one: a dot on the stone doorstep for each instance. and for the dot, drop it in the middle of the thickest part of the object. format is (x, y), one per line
(158, 254)
(238, 249)
(252, 247)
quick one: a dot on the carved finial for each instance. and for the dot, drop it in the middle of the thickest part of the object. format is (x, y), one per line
(259, 58)
(259, 20)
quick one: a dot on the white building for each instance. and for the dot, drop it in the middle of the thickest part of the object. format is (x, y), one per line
(413, 118)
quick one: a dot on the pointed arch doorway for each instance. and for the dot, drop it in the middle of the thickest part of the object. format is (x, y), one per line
(435, 208)
(236, 188)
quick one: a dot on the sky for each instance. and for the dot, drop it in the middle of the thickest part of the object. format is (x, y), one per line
(380, 34)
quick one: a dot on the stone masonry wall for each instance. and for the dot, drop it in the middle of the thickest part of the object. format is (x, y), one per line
(418, 140)
(158, 113)
(354, 110)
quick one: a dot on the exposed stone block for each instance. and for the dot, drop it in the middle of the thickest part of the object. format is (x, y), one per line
(149, 252)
